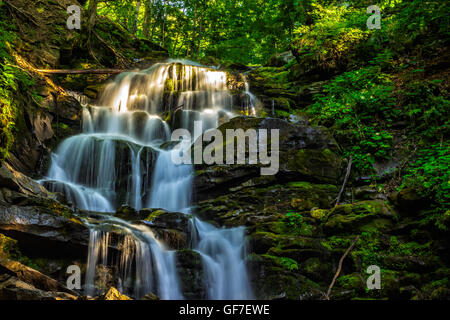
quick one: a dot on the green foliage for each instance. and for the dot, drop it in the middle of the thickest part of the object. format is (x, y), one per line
(7, 87)
(418, 18)
(9, 249)
(352, 101)
(371, 249)
(429, 174)
(336, 31)
(288, 263)
(294, 221)
(235, 31)
(11, 79)
(284, 262)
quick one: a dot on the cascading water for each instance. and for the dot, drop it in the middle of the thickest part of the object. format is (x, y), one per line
(248, 104)
(122, 158)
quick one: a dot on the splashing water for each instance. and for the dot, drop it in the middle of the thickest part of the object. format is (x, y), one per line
(120, 159)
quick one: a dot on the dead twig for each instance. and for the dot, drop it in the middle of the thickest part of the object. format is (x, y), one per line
(347, 175)
(327, 296)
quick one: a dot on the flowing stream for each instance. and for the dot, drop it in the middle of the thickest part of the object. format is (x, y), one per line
(122, 158)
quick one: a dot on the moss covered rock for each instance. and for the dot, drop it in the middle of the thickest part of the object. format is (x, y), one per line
(363, 216)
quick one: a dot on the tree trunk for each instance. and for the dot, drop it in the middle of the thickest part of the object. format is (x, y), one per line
(147, 18)
(92, 16)
(199, 36)
(136, 16)
(163, 27)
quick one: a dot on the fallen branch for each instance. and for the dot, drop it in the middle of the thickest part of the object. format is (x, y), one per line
(347, 175)
(87, 71)
(327, 296)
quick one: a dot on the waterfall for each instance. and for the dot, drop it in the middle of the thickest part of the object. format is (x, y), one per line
(122, 158)
(222, 251)
(248, 104)
(154, 266)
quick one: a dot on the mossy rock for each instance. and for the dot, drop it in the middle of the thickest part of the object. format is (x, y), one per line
(153, 214)
(440, 294)
(162, 219)
(261, 242)
(317, 269)
(352, 281)
(272, 279)
(93, 91)
(8, 247)
(319, 214)
(363, 216)
(126, 213)
(319, 165)
(284, 104)
(298, 255)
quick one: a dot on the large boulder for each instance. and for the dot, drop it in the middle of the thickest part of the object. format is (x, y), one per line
(11, 288)
(12, 181)
(32, 277)
(252, 204)
(362, 216)
(172, 228)
(45, 228)
(306, 153)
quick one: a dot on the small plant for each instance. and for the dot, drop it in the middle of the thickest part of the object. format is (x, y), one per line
(295, 222)
(289, 263)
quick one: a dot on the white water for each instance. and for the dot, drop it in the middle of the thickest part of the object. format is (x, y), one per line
(119, 159)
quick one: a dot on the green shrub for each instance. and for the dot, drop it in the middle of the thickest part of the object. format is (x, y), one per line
(11, 78)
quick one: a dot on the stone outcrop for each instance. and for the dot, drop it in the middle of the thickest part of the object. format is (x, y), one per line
(306, 153)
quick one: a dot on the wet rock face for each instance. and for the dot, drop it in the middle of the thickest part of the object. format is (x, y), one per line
(39, 228)
(41, 130)
(190, 268)
(13, 181)
(172, 228)
(33, 215)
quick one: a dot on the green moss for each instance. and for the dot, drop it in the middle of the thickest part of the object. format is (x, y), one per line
(8, 247)
(284, 262)
(154, 214)
(169, 85)
(282, 113)
(363, 216)
(319, 214)
(321, 165)
(352, 281)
